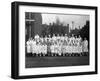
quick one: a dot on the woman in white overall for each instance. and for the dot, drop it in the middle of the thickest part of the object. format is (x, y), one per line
(28, 44)
(33, 46)
(85, 45)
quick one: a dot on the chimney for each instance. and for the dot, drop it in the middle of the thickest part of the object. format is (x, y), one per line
(73, 25)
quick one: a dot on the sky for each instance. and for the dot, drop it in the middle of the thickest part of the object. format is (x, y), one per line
(79, 20)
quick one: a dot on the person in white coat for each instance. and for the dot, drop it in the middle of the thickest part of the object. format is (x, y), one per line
(79, 44)
(85, 45)
(54, 38)
(28, 45)
(33, 43)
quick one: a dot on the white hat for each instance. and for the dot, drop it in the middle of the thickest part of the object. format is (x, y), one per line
(36, 36)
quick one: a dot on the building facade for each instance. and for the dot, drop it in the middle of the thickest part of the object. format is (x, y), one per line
(33, 24)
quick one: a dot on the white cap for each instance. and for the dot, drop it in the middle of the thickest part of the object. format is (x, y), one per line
(36, 36)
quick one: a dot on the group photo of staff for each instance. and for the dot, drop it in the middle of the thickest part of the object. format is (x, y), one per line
(56, 39)
(57, 45)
